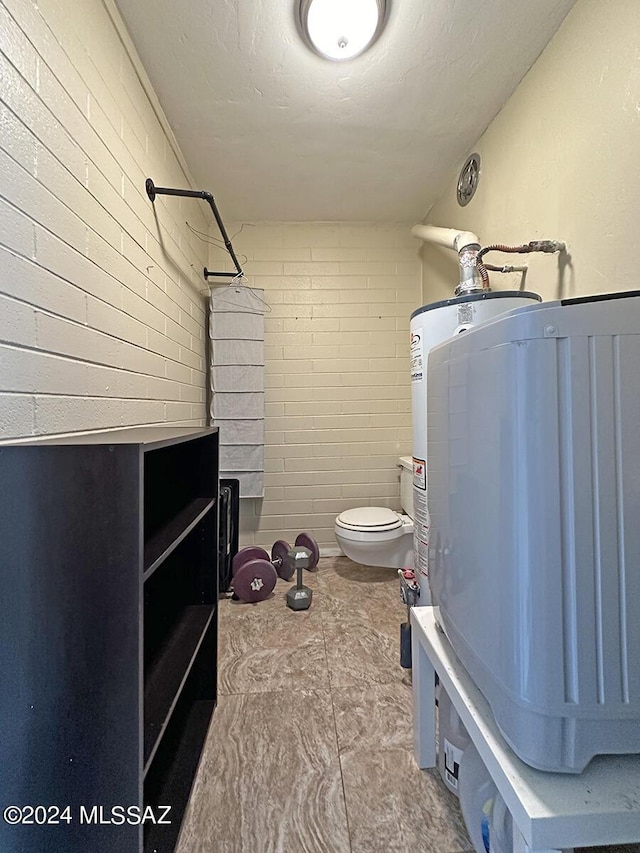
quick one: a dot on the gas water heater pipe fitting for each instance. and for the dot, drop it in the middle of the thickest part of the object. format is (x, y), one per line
(466, 244)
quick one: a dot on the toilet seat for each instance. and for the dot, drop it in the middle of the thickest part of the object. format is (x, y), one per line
(376, 535)
(369, 519)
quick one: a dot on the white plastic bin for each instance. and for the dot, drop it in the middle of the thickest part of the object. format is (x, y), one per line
(452, 742)
(477, 795)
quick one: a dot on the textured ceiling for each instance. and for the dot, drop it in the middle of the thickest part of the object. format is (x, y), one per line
(277, 133)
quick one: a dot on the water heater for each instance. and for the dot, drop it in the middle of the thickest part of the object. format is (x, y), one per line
(431, 325)
(534, 495)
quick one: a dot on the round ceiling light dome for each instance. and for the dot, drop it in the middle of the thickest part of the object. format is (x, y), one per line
(341, 29)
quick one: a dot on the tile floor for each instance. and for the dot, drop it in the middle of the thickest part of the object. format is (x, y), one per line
(310, 747)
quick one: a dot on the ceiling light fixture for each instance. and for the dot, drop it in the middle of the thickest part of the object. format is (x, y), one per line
(341, 29)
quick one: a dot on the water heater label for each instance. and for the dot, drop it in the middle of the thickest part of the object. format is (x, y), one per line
(419, 474)
(421, 525)
(416, 353)
(465, 313)
(421, 551)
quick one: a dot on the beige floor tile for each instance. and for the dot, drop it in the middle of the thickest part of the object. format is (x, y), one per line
(359, 650)
(360, 584)
(377, 615)
(313, 708)
(394, 807)
(361, 614)
(267, 646)
(372, 591)
(378, 717)
(269, 780)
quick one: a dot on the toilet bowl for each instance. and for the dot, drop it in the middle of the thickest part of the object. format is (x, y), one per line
(378, 536)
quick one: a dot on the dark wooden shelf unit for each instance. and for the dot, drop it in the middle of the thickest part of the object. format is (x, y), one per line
(169, 778)
(108, 629)
(170, 670)
(162, 543)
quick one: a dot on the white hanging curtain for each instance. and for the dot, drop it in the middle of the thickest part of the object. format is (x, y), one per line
(236, 370)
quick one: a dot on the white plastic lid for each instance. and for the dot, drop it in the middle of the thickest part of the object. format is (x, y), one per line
(373, 518)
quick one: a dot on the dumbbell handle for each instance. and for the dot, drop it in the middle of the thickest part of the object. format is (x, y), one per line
(300, 558)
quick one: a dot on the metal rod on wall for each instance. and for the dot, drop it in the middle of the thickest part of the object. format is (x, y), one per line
(153, 191)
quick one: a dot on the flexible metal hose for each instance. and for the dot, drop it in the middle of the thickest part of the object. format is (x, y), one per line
(547, 246)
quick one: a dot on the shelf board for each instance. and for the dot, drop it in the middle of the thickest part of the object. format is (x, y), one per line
(552, 810)
(167, 539)
(147, 437)
(169, 671)
(177, 777)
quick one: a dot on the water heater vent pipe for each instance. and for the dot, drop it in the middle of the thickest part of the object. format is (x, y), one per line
(450, 238)
(466, 244)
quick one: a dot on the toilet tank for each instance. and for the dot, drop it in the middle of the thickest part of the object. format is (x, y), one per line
(534, 493)
(405, 464)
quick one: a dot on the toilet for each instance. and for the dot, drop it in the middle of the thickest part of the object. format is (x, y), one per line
(377, 536)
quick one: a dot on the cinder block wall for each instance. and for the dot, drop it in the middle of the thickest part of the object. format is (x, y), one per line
(101, 318)
(338, 397)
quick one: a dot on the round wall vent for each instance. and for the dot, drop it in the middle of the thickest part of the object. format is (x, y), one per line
(468, 180)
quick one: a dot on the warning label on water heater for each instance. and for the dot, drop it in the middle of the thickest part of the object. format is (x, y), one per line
(421, 520)
(416, 355)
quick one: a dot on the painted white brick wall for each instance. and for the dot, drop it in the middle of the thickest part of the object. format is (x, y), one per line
(338, 396)
(102, 321)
